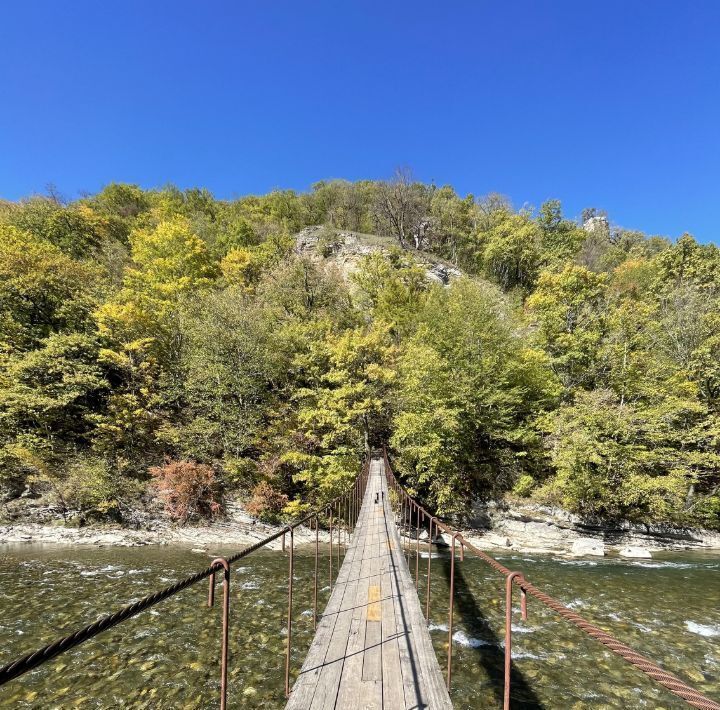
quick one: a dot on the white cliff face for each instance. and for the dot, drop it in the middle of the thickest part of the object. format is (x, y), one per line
(598, 223)
(346, 249)
(531, 527)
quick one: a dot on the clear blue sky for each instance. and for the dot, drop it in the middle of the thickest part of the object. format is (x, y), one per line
(613, 104)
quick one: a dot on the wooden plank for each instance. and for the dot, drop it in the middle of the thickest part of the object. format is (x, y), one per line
(374, 609)
(350, 685)
(303, 691)
(393, 690)
(372, 649)
(328, 683)
(423, 681)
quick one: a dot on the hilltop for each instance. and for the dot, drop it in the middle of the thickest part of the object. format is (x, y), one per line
(164, 348)
(347, 248)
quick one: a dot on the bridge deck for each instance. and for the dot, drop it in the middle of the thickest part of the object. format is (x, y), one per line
(372, 648)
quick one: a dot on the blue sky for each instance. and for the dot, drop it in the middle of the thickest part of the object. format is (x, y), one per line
(608, 104)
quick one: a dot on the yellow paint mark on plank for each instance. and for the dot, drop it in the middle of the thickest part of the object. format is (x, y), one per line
(374, 607)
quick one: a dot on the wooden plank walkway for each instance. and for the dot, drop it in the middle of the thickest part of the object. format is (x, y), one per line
(372, 648)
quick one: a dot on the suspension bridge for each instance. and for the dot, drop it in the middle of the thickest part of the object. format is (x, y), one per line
(372, 648)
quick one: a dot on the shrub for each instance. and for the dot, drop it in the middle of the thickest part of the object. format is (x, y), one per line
(266, 503)
(92, 486)
(328, 242)
(524, 486)
(189, 490)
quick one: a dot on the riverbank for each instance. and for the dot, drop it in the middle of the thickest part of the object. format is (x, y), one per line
(236, 530)
(524, 528)
(534, 528)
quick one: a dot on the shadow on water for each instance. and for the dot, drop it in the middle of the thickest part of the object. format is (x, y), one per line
(491, 656)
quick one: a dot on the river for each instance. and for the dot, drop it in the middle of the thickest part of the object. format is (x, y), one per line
(668, 608)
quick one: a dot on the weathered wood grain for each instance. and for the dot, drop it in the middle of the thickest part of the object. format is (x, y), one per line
(372, 649)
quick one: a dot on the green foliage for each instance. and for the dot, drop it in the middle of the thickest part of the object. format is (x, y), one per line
(629, 460)
(570, 312)
(468, 390)
(42, 291)
(524, 486)
(392, 288)
(342, 408)
(575, 364)
(511, 254)
(52, 389)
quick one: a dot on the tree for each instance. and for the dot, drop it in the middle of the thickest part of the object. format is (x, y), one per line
(511, 254)
(342, 204)
(561, 239)
(569, 309)
(392, 288)
(468, 390)
(451, 223)
(627, 460)
(400, 206)
(343, 409)
(42, 291)
(170, 262)
(47, 398)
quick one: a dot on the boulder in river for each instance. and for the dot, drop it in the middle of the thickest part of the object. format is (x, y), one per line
(495, 540)
(588, 546)
(633, 551)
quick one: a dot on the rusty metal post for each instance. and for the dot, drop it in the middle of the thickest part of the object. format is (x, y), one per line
(211, 590)
(315, 576)
(291, 572)
(427, 591)
(452, 603)
(341, 531)
(411, 510)
(408, 520)
(331, 544)
(508, 635)
(339, 528)
(225, 626)
(402, 525)
(417, 548)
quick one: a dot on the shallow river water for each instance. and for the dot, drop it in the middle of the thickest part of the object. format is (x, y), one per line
(667, 608)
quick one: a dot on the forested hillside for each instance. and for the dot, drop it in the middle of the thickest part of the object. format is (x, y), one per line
(166, 344)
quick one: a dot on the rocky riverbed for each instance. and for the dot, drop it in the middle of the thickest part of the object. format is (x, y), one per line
(168, 656)
(46, 525)
(547, 530)
(511, 528)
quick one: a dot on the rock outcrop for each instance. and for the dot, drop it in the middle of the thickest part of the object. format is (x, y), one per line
(346, 249)
(634, 552)
(543, 529)
(588, 546)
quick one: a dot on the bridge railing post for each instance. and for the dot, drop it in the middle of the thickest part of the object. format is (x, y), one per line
(225, 623)
(508, 630)
(331, 544)
(417, 549)
(315, 575)
(339, 529)
(452, 600)
(429, 554)
(291, 572)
